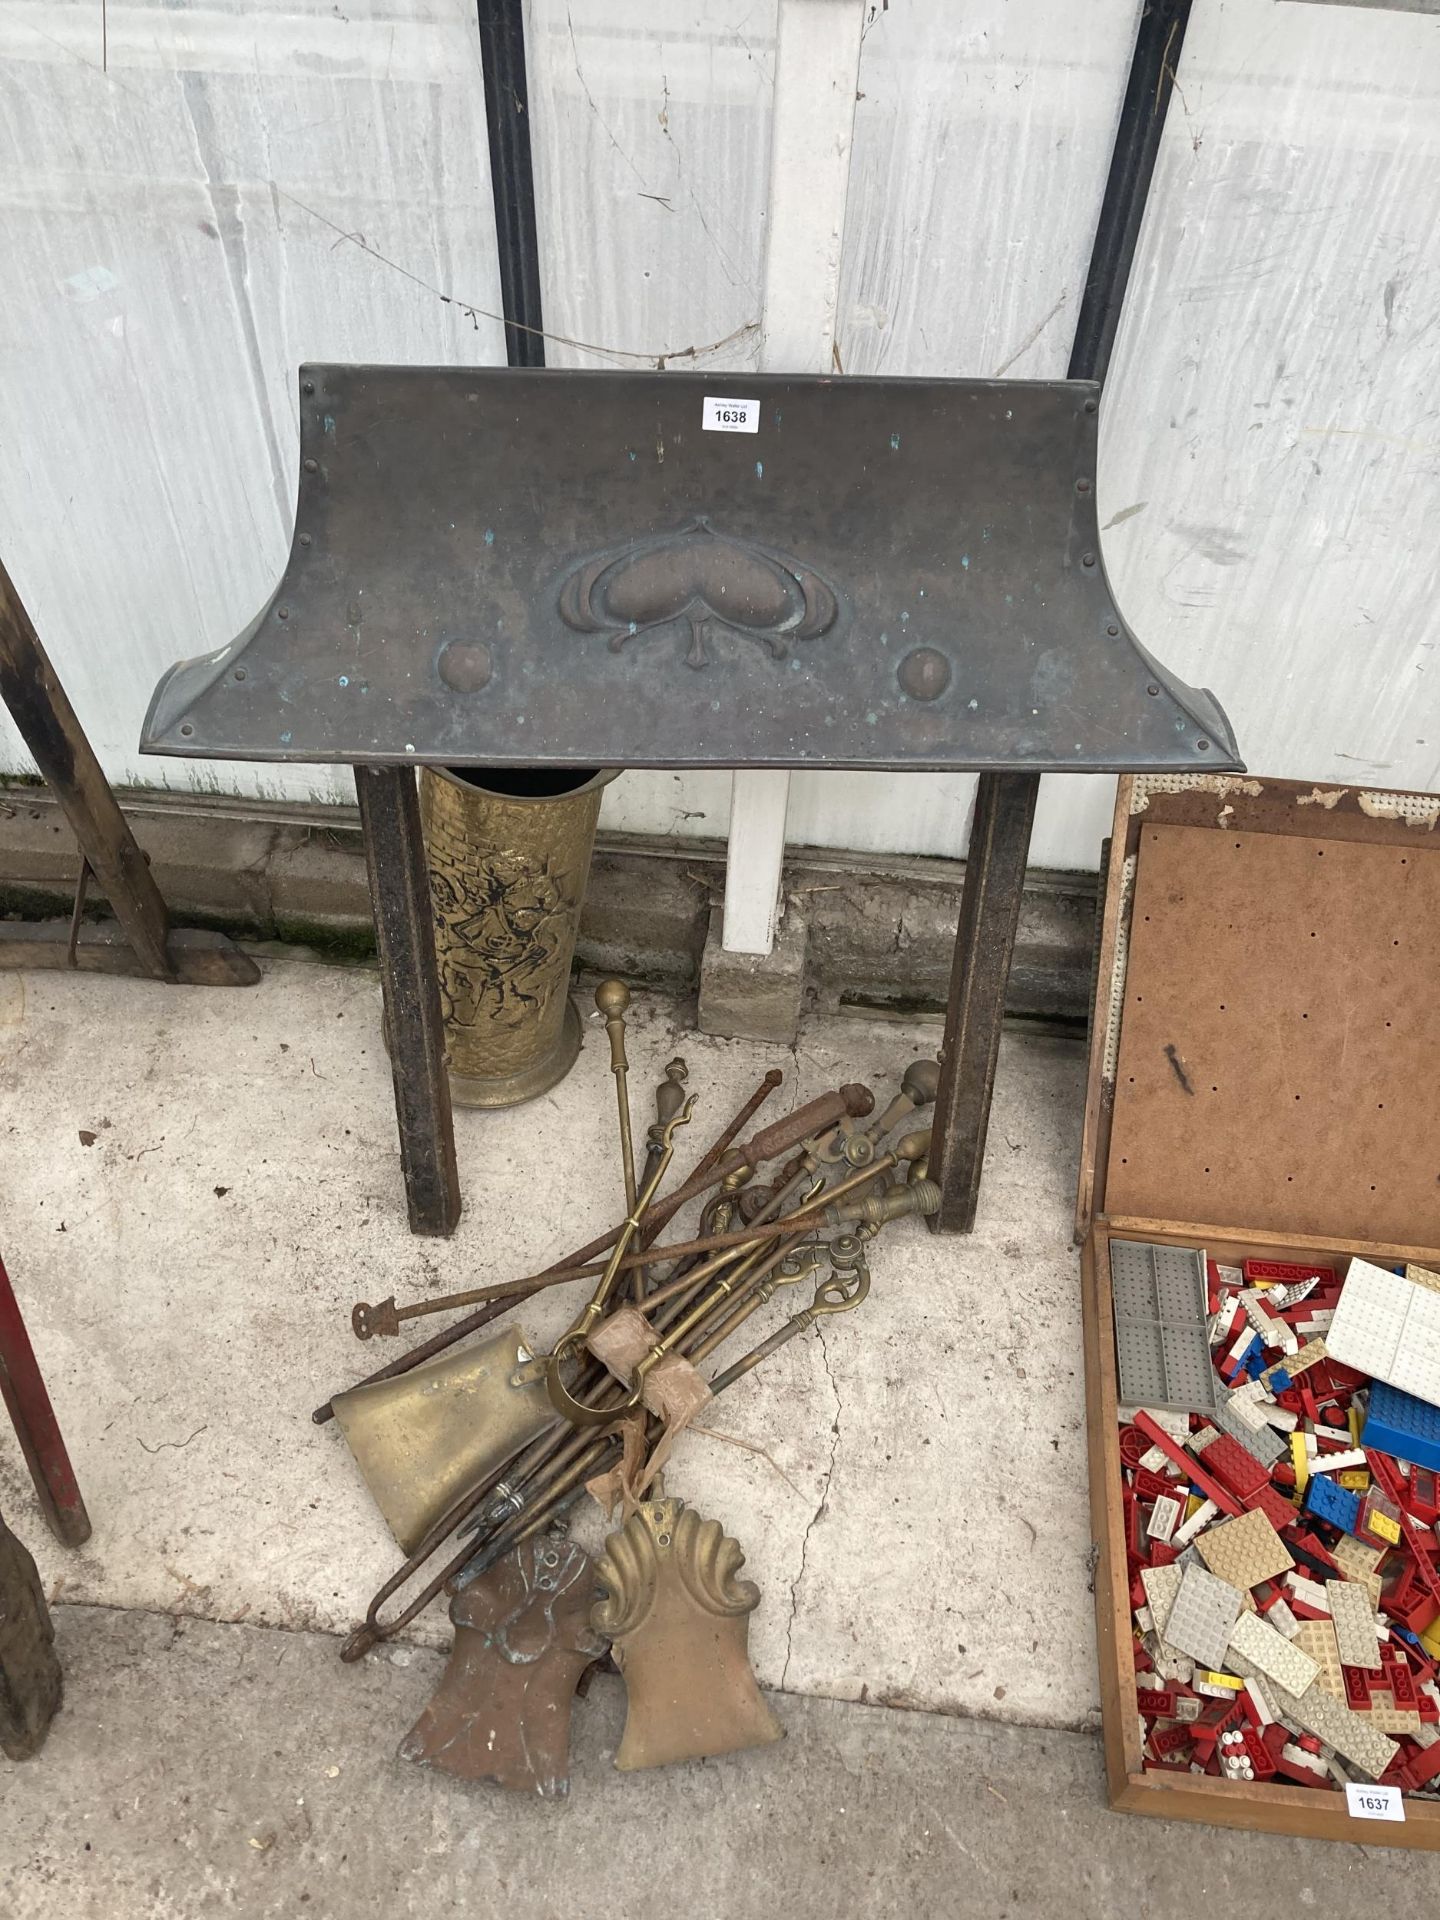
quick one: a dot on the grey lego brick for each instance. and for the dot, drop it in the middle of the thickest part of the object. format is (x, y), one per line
(1161, 1313)
(1263, 1444)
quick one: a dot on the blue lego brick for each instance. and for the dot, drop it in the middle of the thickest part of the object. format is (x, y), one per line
(1279, 1380)
(1400, 1424)
(1338, 1505)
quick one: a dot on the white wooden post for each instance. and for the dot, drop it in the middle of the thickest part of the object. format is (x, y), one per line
(817, 72)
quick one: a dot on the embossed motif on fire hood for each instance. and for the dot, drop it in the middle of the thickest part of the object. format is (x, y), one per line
(702, 584)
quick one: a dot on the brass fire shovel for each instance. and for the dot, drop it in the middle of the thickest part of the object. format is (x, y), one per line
(426, 1438)
(523, 1638)
(680, 1620)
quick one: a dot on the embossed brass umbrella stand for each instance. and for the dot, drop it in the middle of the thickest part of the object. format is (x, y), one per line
(481, 1453)
(508, 857)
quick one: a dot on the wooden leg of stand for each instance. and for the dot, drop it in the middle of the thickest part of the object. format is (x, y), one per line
(984, 942)
(405, 938)
(49, 728)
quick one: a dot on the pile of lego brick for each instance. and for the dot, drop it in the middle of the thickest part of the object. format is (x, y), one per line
(1280, 1508)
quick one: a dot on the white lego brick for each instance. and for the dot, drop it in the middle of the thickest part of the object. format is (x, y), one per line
(1241, 1347)
(1281, 1418)
(1248, 1404)
(1282, 1619)
(1287, 1297)
(1350, 1734)
(1222, 1321)
(1145, 1620)
(1170, 1421)
(1338, 1462)
(1203, 1436)
(1196, 1524)
(1163, 1516)
(1353, 1618)
(1212, 1692)
(1273, 1332)
(1318, 1322)
(1161, 1586)
(1230, 1276)
(1272, 1654)
(1204, 1612)
(1259, 1705)
(1155, 1460)
(1308, 1592)
(1387, 1325)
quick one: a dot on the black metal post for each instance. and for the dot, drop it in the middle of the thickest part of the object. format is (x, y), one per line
(512, 180)
(1005, 802)
(405, 938)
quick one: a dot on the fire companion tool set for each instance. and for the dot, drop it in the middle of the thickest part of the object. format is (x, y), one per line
(482, 1450)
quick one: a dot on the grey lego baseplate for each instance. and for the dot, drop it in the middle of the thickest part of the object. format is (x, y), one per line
(1162, 1346)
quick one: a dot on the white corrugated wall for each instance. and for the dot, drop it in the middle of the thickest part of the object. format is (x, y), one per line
(230, 187)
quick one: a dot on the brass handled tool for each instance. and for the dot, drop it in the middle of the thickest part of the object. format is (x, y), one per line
(847, 1285)
(549, 1476)
(612, 997)
(573, 1338)
(844, 1288)
(918, 1087)
(669, 1098)
(384, 1317)
(492, 1309)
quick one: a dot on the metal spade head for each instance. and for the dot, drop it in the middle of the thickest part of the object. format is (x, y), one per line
(426, 1438)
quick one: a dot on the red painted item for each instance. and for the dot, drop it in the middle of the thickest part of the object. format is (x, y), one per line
(38, 1431)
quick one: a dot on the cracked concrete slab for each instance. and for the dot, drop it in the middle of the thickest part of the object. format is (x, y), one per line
(201, 1769)
(199, 1184)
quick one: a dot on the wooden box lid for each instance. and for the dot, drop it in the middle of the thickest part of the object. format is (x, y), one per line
(1265, 1052)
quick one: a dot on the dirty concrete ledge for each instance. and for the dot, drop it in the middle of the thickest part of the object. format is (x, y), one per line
(202, 1768)
(881, 929)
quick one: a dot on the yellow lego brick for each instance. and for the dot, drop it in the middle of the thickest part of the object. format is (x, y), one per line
(1355, 1478)
(1430, 1638)
(1301, 1461)
(1387, 1528)
(1231, 1680)
(1352, 1418)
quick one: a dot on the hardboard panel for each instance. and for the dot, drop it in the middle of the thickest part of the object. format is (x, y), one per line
(1280, 1038)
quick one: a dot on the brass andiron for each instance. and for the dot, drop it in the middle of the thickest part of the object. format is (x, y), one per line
(523, 1638)
(679, 1616)
(509, 858)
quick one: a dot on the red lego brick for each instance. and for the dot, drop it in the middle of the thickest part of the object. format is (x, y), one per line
(1287, 1273)
(1273, 1504)
(1357, 1690)
(1156, 1703)
(1234, 1468)
(1195, 1473)
(1168, 1740)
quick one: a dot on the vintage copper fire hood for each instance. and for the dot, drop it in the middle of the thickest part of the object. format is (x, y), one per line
(496, 567)
(572, 570)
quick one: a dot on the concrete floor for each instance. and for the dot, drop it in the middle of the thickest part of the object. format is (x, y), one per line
(910, 1494)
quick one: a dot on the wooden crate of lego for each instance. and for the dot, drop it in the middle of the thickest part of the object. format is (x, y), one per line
(1259, 1213)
